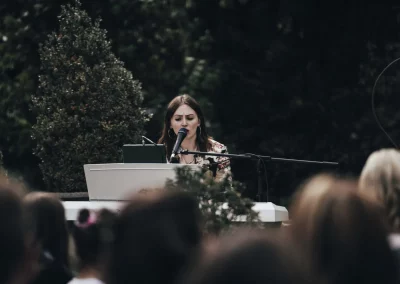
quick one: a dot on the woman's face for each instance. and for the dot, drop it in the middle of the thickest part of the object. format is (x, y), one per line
(185, 117)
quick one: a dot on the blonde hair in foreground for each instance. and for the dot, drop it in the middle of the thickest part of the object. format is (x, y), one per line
(380, 180)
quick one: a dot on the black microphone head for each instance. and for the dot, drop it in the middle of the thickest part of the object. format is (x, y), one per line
(181, 135)
(184, 131)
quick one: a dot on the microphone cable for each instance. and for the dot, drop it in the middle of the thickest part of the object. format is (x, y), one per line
(373, 101)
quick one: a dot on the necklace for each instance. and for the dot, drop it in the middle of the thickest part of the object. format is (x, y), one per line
(191, 162)
(186, 162)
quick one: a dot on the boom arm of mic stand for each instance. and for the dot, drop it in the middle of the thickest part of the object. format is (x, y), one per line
(260, 163)
(257, 157)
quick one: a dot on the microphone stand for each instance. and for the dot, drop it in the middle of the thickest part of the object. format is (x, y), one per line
(148, 140)
(260, 162)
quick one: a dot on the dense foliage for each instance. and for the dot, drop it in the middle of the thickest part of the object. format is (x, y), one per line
(88, 104)
(221, 203)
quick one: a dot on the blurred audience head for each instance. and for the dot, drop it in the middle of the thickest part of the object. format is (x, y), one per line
(154, 237)
(249, 256)
(380, 180)
(19, 253)
(343, 233)
(93, 236)
(51, 226)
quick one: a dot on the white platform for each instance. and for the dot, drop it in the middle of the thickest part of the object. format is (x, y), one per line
(108, 184)
(268, 211)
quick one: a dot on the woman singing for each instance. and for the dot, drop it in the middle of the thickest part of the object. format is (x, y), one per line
(184, 112)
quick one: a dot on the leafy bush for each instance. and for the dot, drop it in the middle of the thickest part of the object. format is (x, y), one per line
(88, 104)
(220, 202)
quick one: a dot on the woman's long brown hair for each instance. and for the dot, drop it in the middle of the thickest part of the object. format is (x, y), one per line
(202, 138)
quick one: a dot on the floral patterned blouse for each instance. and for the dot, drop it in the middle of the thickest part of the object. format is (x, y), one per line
(221, 166)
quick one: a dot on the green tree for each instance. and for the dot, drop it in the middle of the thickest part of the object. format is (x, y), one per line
(150, 37)
(23, 26)
(18, 69)
(88, 104)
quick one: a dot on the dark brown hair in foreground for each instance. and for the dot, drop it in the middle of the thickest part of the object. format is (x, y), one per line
(249, 256)
(343, 233)
(16, 235)
(155, 235)
(51, 226)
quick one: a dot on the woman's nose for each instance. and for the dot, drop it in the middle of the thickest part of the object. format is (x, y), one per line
(184, 122)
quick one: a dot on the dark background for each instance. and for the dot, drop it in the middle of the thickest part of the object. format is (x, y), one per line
(278, 78)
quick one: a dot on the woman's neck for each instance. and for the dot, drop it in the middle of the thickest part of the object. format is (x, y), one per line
(189, 144)
(89, 272)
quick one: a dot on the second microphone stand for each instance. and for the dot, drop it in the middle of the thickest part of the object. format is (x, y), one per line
(260, 162)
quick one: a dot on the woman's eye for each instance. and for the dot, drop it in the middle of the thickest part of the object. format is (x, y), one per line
(177, 119)
(190, 118)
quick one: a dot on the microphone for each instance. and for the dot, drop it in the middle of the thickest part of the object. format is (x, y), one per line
(181, 135)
